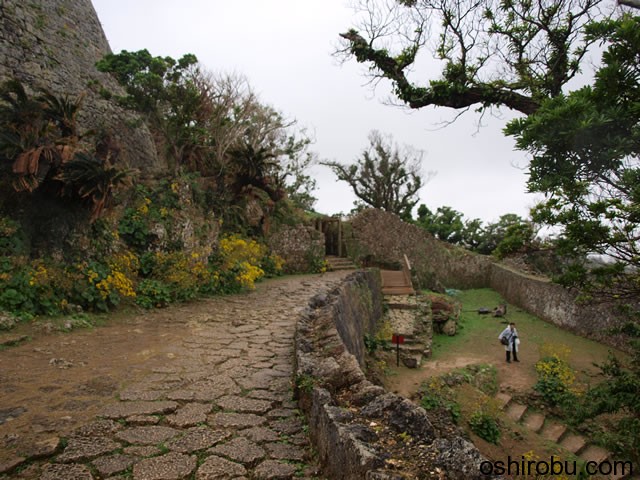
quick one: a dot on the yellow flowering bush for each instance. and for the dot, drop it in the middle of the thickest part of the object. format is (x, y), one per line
(484, 421)
(235, 249)
(105, 284)
(183, 272)
(174, 276)
(248, 274)
(555, 377)
(35, 287)
(242, 262)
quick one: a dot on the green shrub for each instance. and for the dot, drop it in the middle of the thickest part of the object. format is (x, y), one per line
(153, 293)
(436, 395)
(485, 425)
(133, 228)
(373, 342)
(555, 380)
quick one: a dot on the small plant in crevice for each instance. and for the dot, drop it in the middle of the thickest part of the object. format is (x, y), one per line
(305, 383)
(372, 343)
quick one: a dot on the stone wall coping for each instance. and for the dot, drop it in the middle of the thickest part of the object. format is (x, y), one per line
(346, 412)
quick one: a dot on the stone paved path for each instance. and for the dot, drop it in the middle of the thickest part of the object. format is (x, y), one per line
(219, 407)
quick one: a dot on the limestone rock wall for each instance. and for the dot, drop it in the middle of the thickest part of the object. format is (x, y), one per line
(300, 246)
(380, 236)
(352, 423)
(558, 305)
(438, 265)
(55, 44)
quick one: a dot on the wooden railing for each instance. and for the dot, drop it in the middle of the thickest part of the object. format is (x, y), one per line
(406, 270)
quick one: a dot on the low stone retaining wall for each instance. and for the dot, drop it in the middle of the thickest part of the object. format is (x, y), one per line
(558, 305)
(354, 424)
(438, 265)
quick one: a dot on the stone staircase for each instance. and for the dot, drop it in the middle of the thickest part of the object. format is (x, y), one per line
(404, 314)
(335, 263)
(397, 282)
(554, 431)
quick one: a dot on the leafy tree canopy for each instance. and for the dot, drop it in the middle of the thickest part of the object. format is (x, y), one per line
(510, 234)
(508, 53)
(217, 126)
(385, 176)
(445, 224)
(585, 150)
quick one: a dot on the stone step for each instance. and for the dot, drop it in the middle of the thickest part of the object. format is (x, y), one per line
(339, 263)
(534, 421)
(515, 411)
(416, 348)
(593, 453)
(622, 473)
(334, 268)
(342, 261)
(402, 306)
(553, 431)
(411, 360)
(574, 443)
(503, 399)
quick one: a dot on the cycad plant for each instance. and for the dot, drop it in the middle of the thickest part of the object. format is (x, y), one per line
(38, 134)
(93, 180)
(39, 137)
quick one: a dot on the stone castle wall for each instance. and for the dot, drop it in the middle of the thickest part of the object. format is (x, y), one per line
(346, 412)
(381, 237)
(55, 44)
(437, 265)
(300, 246)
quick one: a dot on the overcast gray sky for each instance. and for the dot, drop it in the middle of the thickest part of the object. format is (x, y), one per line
(284, 48)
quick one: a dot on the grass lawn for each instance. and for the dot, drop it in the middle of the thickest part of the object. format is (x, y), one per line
(477, 342)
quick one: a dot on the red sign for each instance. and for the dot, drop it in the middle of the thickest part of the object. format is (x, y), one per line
(397, 339)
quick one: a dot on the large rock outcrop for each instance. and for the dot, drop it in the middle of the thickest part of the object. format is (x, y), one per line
(55, 44)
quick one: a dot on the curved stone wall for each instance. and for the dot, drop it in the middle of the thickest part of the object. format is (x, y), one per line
(352, 422)
(437, 265)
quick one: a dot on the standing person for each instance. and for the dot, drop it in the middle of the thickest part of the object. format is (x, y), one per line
(510, 336)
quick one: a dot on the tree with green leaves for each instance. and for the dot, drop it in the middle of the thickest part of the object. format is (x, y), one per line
(585, 151)
(521, 55)
(445, 224)
(385, 176)
(169, 95)
(510, 234)
(215, 125)
(512, 54)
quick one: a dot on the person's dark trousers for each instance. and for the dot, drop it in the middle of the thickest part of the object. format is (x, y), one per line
(515, 353)
(508, 356)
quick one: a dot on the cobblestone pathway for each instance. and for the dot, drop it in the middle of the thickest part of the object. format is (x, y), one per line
(219, 406)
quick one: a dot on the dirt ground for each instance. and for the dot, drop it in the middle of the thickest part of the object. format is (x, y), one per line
(55, 382)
